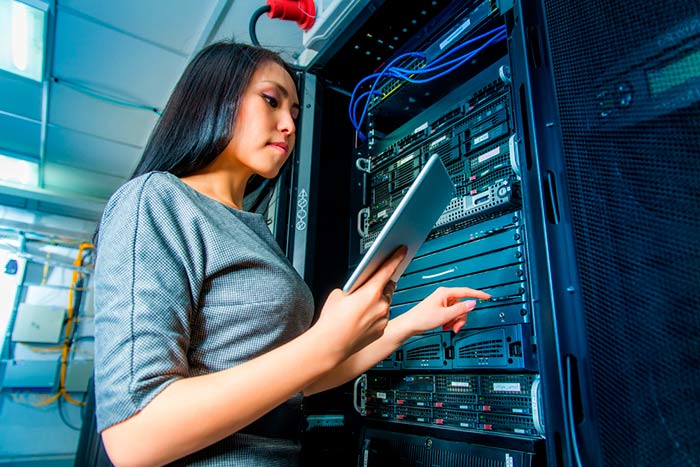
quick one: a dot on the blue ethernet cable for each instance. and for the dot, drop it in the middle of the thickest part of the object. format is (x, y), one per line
(445, 67)
(456, 63)
(374, 85)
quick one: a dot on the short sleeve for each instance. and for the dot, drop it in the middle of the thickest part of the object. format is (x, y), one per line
(146, 280)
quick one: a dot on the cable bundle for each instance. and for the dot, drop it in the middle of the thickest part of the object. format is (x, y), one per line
(439, 67)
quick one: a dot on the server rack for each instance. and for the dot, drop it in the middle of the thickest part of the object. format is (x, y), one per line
(529, 380)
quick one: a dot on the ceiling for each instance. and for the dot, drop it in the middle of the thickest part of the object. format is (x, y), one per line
(110, 64)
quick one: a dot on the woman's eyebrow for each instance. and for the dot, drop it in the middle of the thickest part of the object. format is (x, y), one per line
(281, 88)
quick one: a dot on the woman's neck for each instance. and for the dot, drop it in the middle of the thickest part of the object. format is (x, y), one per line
(222, 184)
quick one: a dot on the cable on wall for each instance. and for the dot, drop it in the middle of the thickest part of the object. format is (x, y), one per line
(254, 21)
(91, 92)
(303, 12)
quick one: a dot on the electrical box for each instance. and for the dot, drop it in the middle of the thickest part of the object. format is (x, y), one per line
(332, 17)
(31, 373)
(38, 324)
(78, 373)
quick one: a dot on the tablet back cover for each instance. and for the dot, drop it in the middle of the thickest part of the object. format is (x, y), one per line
(410, 223)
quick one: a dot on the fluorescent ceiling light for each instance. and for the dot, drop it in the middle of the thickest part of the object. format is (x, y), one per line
(19, 171)
(22, 32)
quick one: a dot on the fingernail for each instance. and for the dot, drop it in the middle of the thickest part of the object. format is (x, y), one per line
(470, 304)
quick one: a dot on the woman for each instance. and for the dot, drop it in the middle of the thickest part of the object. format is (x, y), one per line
(204, 340)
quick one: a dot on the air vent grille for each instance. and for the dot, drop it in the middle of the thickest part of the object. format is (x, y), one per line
(425, 352)
(485, 349)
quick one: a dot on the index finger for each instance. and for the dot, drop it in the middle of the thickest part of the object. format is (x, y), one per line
(466, 292)
(388, 267)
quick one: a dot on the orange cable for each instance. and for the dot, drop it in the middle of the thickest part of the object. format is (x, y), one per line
(78, 262)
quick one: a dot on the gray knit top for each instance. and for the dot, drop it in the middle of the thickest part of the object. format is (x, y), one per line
(186, 286)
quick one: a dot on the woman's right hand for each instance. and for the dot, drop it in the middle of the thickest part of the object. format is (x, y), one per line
(352, 321)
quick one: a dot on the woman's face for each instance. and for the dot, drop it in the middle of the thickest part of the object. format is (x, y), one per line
(265, 129)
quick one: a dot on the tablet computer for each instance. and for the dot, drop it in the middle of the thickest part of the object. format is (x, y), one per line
(409, 224)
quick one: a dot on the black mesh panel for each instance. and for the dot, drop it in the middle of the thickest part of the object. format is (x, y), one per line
(632, 157)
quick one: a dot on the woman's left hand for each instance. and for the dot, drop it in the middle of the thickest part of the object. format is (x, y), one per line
(445, 308)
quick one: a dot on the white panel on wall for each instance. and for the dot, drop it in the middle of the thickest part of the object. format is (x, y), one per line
(46, 296)
(81, 182)
(20, 96)
(122, 66)
(38, 323)
(176, 26)
(18, 135)
(74, 110)
(90, 153)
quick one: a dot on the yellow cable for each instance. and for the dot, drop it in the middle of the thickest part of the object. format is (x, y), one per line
(69, 328)
(48, 400)
(35, 348)
(65, 348)
(46, 269)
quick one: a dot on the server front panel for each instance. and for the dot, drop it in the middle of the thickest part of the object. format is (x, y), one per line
(445, 90)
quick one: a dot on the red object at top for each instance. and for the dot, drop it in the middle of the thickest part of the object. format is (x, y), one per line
(301, 11)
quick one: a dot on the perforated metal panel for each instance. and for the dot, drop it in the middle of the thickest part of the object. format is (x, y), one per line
(627, 76)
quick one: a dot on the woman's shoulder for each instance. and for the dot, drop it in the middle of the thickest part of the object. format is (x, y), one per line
(152, 189)
(152, 185)
(151, 182)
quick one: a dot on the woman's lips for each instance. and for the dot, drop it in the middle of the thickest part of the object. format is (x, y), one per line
(281, 146)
